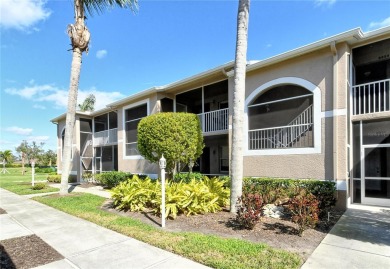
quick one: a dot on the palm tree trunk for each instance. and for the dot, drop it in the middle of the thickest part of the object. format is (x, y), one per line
(70, 119)
(238, 104)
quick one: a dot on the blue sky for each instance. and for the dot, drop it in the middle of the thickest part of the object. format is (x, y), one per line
(163, 42)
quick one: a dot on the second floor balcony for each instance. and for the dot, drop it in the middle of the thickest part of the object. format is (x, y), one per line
(371, 97)
(106, 137)
(214, 121)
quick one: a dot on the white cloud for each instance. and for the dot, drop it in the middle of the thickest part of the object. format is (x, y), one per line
(38, 139)
(380, 24)
(58, 98)
(22, 14)
(19, 131)
(324, 2)
(100, 54)
(268, 46)
(39, 106)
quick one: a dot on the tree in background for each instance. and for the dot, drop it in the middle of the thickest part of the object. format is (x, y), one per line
(22, 151)
(176, 135)
(48, 158)
(236, 172)
(7, 156)
(79, 37)
(34, 151)
(88, 104)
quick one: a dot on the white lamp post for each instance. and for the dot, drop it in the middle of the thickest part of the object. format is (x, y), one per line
(163, 164)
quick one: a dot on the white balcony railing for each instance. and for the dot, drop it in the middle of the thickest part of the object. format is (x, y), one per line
(214, 121)
(371, 97)
(294, 135)
(106, 137)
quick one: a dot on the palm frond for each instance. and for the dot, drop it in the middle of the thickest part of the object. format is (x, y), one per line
(99, 6)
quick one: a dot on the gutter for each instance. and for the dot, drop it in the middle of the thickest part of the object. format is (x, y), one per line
(335, 102)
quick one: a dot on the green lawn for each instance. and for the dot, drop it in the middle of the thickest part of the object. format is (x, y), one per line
(210, 250)
(21, 184)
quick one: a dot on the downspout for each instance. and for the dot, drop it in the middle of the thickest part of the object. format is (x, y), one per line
(335, 102)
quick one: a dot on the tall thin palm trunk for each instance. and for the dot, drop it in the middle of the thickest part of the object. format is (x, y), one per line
(70, 119)
(237, 159)
(79, 36)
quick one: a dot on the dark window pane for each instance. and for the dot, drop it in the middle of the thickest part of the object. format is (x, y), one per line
(376, 132)
(136, 112)
(85, 125)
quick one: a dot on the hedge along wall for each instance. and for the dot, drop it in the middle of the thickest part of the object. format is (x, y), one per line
(273, 190)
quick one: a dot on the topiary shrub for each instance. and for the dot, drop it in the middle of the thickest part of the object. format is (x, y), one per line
(176, 135)
(112, 178)
(304, 210)
(249, 210)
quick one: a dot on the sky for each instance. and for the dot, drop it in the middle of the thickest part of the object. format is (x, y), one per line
(160, 43)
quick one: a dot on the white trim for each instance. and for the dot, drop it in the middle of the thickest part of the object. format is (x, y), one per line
(341, 185)
(139, 103)
(334, 113)
(316, 117)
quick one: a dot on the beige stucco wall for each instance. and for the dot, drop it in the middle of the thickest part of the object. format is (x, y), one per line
(317, 68)
(137, 164)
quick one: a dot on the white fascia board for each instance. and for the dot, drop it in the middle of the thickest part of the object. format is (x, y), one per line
(164, 88)
(354, 33)
(377, 32)
(63, 116)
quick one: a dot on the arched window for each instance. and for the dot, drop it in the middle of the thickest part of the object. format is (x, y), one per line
(280, 116)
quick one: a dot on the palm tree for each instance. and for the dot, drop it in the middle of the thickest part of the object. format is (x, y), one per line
(79, 37)
(7, 156)
(237, 159)
(88, 104)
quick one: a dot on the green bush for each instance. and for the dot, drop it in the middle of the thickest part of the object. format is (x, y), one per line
(45, 170)
(55, 178)
(112, 178)
(39, 186)
(249, 210)
(176, 135)
(194, 197)
(304, 210)
(273, 190)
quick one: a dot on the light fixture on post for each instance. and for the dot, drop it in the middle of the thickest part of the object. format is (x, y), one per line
(163, 164)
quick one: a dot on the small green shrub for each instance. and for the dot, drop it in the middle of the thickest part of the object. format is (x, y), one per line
(39, 186)
(249, 210)
(112, 179)
(304, 210)
(55, 178)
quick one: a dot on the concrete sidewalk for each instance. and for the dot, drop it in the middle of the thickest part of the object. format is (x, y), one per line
(82, 243)
(360, 239)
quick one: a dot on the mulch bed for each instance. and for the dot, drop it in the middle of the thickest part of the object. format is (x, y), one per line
(277, 233)
(26, 252)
